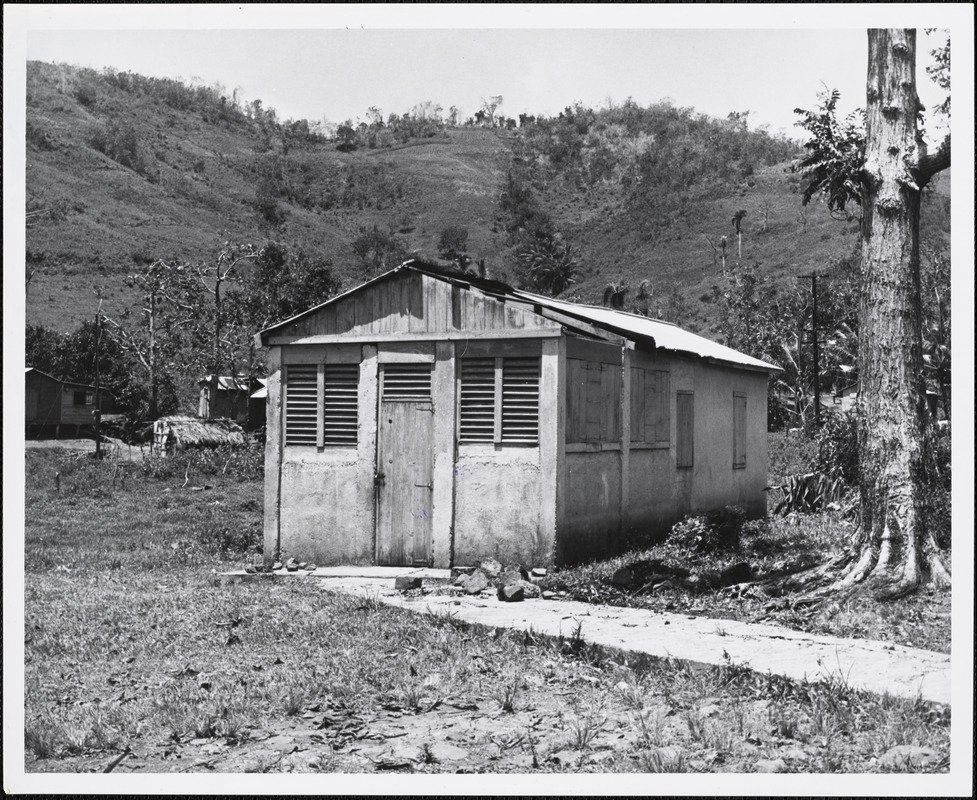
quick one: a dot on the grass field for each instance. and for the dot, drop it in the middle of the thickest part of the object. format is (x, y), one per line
(132, 651)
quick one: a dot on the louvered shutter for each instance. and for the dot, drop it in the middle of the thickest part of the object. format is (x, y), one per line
(739, 430)
(684, 429)
(301, 404)
(477, 415)
(520, 400)
(340, 403)
(407, 382)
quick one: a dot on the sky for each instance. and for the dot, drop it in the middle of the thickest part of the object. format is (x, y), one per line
(324, 63)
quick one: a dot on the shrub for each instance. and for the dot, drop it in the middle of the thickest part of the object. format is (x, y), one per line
(837, 443)
(39, 137)
(120, 142)
(706, 533)
(86, 94)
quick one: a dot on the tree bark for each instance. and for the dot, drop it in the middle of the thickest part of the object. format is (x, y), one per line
(895, 552)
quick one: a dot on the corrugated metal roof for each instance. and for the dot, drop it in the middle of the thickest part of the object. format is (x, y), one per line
(227, 383)
(664, 334)
(631, 326)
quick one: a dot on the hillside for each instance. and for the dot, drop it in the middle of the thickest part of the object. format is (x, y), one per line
(122, 170)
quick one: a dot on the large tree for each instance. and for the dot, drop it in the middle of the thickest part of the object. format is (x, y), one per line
(885, 174)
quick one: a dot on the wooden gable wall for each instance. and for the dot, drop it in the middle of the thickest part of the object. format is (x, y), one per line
(413, 305)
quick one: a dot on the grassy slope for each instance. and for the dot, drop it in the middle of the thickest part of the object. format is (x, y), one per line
(207, 175)
(128, 644)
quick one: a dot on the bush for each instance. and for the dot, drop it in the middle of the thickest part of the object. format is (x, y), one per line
(706, 533)
(837, 443)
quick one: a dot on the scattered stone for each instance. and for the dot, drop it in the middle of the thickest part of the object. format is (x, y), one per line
(310, 567)
(276, 566)
(405, 583)
(770, 765)
(461, 579)
(548, 595)
(741, 572)
(508, 578)
(292, 565)
(539, 572)
(908, 755)
(491, 568)
(303, 564)
(476, 582)
(250, 569)
(513, 593)
(709, 711)
(529, 588)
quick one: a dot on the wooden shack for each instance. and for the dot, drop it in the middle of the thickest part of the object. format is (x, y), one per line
(56, 407)
(226, 397)
(433, 418)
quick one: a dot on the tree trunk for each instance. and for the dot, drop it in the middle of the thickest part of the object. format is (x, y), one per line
(895, 550)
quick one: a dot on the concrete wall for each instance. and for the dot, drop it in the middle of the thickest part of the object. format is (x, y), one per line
(715, 483)
(498, 495)
(319, 503)
(592, 512)
(506, 495)
(617, 494)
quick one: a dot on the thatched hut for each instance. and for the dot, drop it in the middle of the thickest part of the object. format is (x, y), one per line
(171, 434)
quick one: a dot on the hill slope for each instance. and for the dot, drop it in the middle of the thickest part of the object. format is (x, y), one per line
(122, 170)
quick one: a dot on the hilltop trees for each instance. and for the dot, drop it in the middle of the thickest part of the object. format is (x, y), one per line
(884, 174)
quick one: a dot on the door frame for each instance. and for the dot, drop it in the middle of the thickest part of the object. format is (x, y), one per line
(412, 355)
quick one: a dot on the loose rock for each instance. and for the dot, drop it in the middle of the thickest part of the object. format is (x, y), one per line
(475, 582)
(529, 589)
(491, 568)
(407, 582)
(539, 572)
(508, 578)
(292, 565)
(513, 593)
(770, 765)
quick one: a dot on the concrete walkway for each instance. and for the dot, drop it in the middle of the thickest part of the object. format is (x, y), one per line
(862, 664)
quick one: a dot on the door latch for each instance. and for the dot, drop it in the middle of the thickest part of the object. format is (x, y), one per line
(379, 480)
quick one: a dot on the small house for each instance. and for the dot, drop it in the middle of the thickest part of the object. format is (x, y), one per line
(56, 406)
(227, 397)
(434, 418)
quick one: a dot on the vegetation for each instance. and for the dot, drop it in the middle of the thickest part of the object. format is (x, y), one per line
(132, 649)
(883, 175)
(774, 550)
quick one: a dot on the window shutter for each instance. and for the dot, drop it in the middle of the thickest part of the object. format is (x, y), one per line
(407, 382)
(477, 414)
(520, 400)
(301, 404)
(658, 429)
(739, 430)
(340, 403)
(684, 428)
(638, 377)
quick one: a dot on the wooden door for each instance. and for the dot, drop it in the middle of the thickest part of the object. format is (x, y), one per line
(405, 466)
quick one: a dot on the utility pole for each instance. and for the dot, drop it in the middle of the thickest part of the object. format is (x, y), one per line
(98, 404)
(816, 352)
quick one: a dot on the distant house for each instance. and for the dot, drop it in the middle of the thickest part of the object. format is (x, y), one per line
(57, 407)
(225, 397)
(429, 417)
